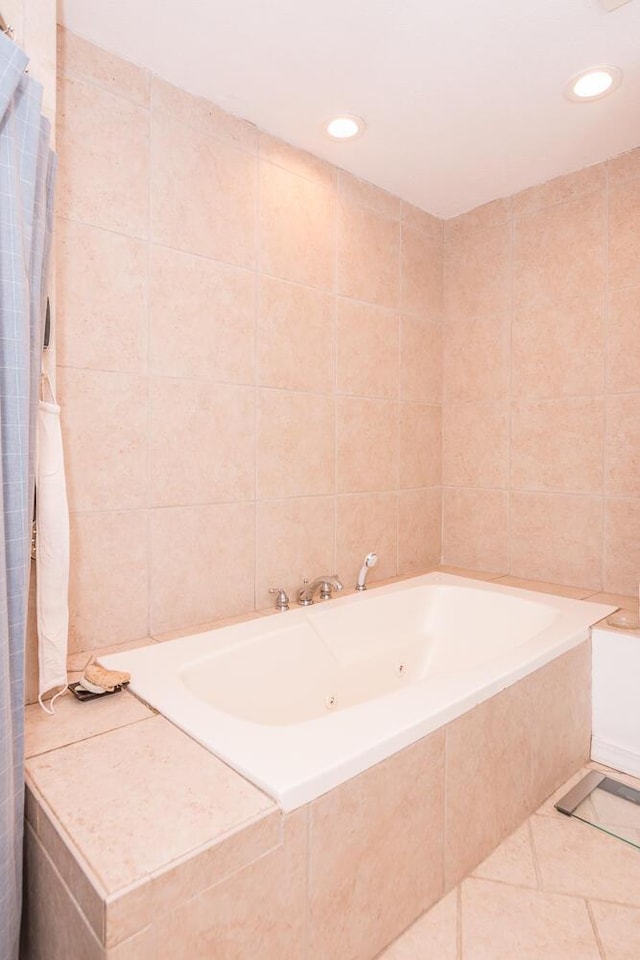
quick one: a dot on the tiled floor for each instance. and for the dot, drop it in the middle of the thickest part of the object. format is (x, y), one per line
(556, 889)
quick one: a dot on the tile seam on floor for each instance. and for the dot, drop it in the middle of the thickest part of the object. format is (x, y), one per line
(596, 932)
(534, 855)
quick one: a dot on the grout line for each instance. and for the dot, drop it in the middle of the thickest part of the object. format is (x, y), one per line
(147, 373)
(512, 232)
(256, 374)
(336, 264)
(605, 373)
(534, 855)
(596, 932)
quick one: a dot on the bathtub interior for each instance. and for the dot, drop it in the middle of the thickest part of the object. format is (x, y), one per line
(361, 649)
(259, 694)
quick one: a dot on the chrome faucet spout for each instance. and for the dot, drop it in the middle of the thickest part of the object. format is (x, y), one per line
(325, 584)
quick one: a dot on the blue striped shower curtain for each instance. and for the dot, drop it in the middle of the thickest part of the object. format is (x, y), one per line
(27, 169)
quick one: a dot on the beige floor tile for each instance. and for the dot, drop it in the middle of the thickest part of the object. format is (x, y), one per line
(618, 928)
(433, 935)
(500, 922)
(512, 862)
(577, 859)
(75, 721)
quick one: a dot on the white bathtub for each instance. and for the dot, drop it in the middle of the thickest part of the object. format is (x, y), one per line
(301, 701)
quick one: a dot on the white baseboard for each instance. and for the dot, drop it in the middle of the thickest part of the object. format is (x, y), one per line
(615, 756)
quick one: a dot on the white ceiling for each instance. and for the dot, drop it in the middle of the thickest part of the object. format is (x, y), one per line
(463, 98)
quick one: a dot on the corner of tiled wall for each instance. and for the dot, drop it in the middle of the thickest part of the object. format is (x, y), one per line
(541, 402)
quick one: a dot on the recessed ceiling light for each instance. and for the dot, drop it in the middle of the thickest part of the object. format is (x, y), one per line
(594, 83)
(345, 127)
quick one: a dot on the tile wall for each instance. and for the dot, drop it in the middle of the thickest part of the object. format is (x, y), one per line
(252, 358)
(541, 403)
(249, 350)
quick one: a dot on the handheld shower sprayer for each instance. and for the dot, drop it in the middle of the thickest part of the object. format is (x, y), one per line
(369, 561)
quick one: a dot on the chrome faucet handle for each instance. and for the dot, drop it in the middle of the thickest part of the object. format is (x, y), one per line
(328, 585)
(282, 600)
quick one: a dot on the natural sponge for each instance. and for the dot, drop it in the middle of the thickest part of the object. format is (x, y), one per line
(98, 679)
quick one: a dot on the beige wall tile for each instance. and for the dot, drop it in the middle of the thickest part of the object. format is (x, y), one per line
(488, 215)
(201, 318)
(488, 747)
(477, 273)
(202, 115)
(475, 444)
(103, 148)
(85, 61)
(262, 908)
(572, 186)
(53, 925)
(108, 579)
(354, 190)
(393, 846)
(558, 349)
(203, 192)
(218, 860)
(296, 337)
(420, 360)
(476, 359)
(476, 528)
(415, 217)
(101, 309)
(367, 349)
(557, 445)
(295, 444)
(623, 360)
(296, 161)
(104, 426)
(366, 445)
(201, 564)
(419, 529)
(422, 287)
(559, 720)
(294, 539)
(215, 458)
(498, 919)
(624, 242)
(624, 167)
(366, 522)
(296, 225)
(622, 446)
(420, 462)
(559, 252)
(368, 255)
(556, 537)
(621, 546)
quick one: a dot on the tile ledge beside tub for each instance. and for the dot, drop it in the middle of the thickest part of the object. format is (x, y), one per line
(105, 881)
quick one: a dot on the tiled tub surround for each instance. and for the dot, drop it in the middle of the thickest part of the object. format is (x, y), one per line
(300, 703)
(541, 374)
(141, 845)
(249, 353)
(256, 338)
